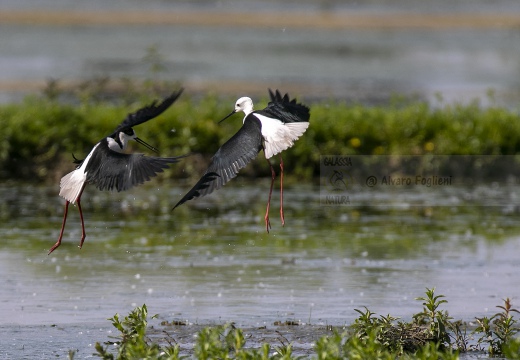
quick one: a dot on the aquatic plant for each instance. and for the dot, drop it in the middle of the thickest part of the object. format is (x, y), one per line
(428, 326)
(227, 342)
(132, 342)
(427, 336)
(498, 331)
(511, 349)
(436, 320)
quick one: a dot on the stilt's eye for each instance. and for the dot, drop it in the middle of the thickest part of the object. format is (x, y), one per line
(129, 132)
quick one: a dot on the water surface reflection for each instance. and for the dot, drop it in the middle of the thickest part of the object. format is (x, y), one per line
(212, 261)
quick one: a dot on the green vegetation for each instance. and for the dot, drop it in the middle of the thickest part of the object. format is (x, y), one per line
(41, 132)
(498, 331)
(133, 343)
(430, 335)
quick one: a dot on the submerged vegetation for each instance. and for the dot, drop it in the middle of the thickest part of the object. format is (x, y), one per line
(431, 334)
(42, 132)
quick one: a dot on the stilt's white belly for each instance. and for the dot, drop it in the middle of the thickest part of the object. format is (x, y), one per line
(279, 136)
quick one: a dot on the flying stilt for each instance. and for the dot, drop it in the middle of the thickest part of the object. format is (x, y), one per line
(107, 167)
(272, 129)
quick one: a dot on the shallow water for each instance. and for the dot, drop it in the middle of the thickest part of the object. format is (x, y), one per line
(367, 65)
(211, 261)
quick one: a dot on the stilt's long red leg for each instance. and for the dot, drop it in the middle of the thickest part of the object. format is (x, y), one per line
(273, 176)
(82, 223)
(281, 191)
(58, 243)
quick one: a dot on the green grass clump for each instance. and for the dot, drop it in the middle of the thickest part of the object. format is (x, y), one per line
(41, 132)
(426, 333)
(133, 343)
(430, 335)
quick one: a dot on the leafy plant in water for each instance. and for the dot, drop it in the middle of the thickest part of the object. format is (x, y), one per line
(498, 331)
(458, 332)
(209, 344)
(367, 325)
(330, 347)
(511, 349)
(366, 348)
(133, 343)
(371, 337)
(433, 351)
(365, 322)
(428, 326)
(227, 342)
(504, 322)
(437, 320)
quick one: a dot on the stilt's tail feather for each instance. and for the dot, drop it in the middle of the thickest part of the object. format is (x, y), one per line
(71, 186)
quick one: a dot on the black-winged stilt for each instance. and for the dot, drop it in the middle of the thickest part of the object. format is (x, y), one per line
(107, 167)
(272, 129)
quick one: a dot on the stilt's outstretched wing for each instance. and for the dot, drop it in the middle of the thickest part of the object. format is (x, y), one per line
(109, 170)
(147, 113)
(286, 110)
(235, 154)
(284, 121)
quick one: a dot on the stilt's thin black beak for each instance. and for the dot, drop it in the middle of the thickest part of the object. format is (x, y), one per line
(232, 113)
(139, 141)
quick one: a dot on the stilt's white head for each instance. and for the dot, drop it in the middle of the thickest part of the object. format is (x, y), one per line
(120, 141)
(126, 135)
(244, 104)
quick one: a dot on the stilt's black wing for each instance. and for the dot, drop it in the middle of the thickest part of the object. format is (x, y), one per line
(109, 170)
(285, 109)
(235, 154)
(147, 113)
